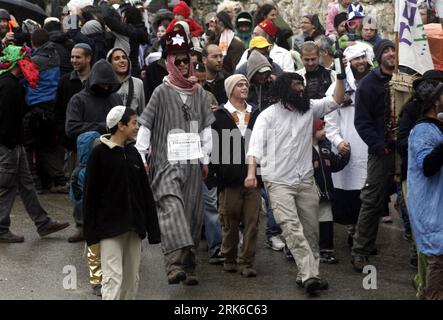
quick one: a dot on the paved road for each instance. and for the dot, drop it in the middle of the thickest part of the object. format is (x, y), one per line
(34, 269)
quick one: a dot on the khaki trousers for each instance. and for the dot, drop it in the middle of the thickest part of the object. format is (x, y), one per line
(434, 278)
(235, 205)
(120, 258)
(296, 210)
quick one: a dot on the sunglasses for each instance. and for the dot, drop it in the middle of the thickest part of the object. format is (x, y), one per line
(179, 61)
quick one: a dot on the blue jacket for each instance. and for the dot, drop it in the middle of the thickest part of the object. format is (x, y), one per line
(370, 111)
(425, 191)
(84, 147)
(48, 61)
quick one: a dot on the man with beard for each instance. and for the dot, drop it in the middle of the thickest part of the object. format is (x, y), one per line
(281, 143)
(317, 78)
(6, 36)
(215, 74)
(340, 130)
(69, 85)
(373, 124)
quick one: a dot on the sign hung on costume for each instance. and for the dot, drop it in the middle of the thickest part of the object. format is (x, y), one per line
(413, 47)
(184, 146)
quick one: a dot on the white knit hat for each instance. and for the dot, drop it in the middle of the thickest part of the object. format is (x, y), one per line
(114, 116)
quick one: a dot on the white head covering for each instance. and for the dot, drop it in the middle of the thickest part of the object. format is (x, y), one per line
(114, 116)
(357, 50)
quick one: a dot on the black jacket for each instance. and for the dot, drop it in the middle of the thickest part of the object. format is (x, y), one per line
(87, 110)
(409, 115)
(325, 162)
(370, 111)
(318, 82)
(63, 45)
(155, 73)
(233, 173)
(217, 87)
(12, 108)
(117, 195)
(68, 85)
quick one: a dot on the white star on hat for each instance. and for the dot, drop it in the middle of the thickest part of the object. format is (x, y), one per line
(178, 39)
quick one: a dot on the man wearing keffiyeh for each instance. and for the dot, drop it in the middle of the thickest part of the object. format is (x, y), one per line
(175, 135)
(14, 168)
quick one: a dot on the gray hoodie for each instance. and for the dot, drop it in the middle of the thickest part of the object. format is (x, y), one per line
(87, 110)
(138, 98)
(256, 61)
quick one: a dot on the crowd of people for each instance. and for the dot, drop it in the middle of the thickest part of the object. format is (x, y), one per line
(193, 128)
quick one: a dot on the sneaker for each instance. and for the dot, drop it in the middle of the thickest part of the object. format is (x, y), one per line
(248, 273)
(324, 285)
(275, 243)
(216, 258)
(359, 262)
(230, 265)
(51, 227)
(176, 276)
(191, 279)
(9, 237)
(288, 254)
(77, 236)
(328, 257)
(312, 285)
(97, 290)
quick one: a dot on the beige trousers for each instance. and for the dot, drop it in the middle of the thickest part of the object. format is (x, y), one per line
(296, 210)
(120, 257)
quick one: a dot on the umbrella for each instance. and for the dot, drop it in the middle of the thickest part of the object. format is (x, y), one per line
(23, 10)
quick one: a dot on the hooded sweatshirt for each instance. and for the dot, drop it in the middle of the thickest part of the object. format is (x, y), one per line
(258, 93)
(137, 102)
(87, 110)
(63, 45)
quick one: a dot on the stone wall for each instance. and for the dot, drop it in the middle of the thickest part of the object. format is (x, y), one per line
(292, 10)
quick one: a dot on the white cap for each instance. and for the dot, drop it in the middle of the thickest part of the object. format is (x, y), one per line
(114, 116)
(264, 69)
(49, 19)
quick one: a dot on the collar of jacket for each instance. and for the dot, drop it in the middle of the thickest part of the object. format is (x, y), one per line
(437, 122)
(105, 139)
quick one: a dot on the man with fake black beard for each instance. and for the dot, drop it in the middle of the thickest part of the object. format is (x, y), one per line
(341, 131)
(281, 143)
(373, 124)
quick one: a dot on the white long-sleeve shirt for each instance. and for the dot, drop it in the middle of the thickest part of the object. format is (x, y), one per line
(281, 141)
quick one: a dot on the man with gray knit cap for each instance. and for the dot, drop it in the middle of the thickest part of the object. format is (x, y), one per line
(234, 123)
(373, 123)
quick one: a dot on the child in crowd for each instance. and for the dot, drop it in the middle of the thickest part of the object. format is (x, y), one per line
(325, 162)
(118, 205)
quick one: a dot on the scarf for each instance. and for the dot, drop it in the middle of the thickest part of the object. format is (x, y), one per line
(225, 40)
(176, 80)
(13, 56)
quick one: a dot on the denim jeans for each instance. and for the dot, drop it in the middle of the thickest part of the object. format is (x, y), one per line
(272, 228)
(213, 231)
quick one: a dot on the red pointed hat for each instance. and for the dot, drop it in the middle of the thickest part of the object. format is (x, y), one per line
(176, 42)
(269, 27)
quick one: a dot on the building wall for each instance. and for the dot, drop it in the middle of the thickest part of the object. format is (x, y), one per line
(293, 10)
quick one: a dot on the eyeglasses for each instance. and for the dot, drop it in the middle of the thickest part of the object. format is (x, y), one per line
(179, 61)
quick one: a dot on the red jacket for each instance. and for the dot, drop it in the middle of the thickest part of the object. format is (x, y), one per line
(194, 28)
